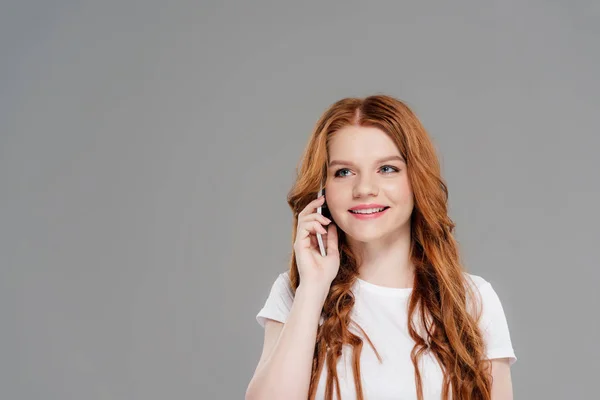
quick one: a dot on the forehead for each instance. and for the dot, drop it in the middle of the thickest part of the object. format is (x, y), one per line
(361, 143)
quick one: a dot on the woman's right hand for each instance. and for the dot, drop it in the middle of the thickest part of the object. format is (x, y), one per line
(314, 269)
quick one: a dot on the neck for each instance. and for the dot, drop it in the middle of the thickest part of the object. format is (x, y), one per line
(386, 261)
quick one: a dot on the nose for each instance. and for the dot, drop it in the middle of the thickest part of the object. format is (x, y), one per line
(365, 187)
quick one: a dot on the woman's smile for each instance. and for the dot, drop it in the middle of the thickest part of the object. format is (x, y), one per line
(367, 214)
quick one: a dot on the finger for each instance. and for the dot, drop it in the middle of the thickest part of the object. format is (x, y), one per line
(319, 228)
(312, 206)
(316, 217)
(310, 228)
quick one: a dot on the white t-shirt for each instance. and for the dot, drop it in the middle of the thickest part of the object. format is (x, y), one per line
(382, 312)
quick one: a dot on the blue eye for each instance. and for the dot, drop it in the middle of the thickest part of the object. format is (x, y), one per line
(389, 166)
(338, 171)
(394, 169)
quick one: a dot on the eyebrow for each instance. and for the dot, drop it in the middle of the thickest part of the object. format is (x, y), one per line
(384, 159)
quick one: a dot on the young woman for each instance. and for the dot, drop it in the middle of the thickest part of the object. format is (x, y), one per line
(391, 279)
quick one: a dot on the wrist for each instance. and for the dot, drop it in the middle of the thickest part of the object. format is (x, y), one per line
(314, 291)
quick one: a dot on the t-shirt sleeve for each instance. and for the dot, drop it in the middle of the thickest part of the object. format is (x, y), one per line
(279, 303)
(494, 326)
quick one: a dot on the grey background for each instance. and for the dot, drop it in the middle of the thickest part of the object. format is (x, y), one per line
(147, 148)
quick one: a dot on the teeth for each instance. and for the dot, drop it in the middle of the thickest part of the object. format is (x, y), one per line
(367, 210)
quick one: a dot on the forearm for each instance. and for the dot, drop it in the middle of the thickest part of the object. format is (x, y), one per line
(286, 373)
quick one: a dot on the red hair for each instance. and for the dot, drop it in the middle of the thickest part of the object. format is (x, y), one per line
(439, 300)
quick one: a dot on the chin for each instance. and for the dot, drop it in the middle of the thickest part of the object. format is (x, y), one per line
(374, 233)
(365, 236)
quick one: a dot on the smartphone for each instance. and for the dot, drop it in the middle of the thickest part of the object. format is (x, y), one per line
(323, 211)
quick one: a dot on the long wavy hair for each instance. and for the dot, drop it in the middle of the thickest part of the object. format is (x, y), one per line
(443, 323)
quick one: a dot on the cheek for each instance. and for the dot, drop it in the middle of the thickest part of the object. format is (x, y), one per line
(400, 193)
(335, 203)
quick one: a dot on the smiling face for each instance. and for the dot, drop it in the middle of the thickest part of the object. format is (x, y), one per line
(366, 167)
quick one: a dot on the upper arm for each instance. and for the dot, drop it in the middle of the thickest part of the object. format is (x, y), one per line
(274, 313)
(494, 326)
(272, 318)
(501, 379)
(272, 332)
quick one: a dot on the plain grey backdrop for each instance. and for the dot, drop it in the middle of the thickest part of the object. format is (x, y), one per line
(147, 148)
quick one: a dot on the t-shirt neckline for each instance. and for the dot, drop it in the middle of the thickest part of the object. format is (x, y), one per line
(383, 289)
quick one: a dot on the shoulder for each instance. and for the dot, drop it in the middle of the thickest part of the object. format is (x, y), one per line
(485, 297)
(285, 276)
(492, 320)
(476, 281)
(282, 286)
(284, 282)
(279, 302)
